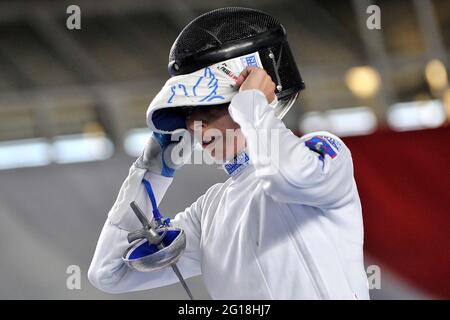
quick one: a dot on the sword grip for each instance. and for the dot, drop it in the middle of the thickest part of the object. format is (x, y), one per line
(139, 214)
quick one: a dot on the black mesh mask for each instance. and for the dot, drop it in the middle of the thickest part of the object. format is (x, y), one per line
(228, 33)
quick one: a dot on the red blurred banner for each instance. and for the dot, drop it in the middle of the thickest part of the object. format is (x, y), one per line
(404, 183)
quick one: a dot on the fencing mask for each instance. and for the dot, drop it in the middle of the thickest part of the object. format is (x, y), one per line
(209, 54)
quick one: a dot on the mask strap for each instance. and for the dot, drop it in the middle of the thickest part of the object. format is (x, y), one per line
(275, 68)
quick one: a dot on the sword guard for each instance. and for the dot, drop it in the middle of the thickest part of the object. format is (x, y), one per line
(153, 247)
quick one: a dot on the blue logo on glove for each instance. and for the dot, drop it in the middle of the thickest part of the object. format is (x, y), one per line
(164, 140)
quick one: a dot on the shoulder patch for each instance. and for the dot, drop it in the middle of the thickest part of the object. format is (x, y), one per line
(335, 143)
(322, 146)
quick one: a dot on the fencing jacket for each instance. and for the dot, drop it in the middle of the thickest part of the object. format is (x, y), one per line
(279, 228)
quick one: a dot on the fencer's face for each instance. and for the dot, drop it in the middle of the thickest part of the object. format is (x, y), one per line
(214, 128)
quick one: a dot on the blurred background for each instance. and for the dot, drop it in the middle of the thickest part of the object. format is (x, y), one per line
(72, 120)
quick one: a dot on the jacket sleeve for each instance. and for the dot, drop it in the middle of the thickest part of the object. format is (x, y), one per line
(108, 272)
(314, 170)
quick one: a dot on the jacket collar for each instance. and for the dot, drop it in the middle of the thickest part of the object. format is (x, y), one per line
(238, 164)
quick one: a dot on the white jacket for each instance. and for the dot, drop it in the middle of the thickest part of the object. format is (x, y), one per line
(296, 234)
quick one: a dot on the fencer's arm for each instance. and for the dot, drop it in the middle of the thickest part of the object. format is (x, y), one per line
(107, 271)
(290, 169)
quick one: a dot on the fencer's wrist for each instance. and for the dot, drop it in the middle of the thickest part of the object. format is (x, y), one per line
(162, 182)
(248, 106)
(149, 166)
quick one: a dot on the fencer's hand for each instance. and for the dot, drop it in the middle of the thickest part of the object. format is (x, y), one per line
(165, 153)
(257, 78)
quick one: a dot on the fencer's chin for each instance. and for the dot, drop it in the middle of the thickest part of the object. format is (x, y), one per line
(220, 153)
(218, 157)
(229, 157)
(232, 155)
